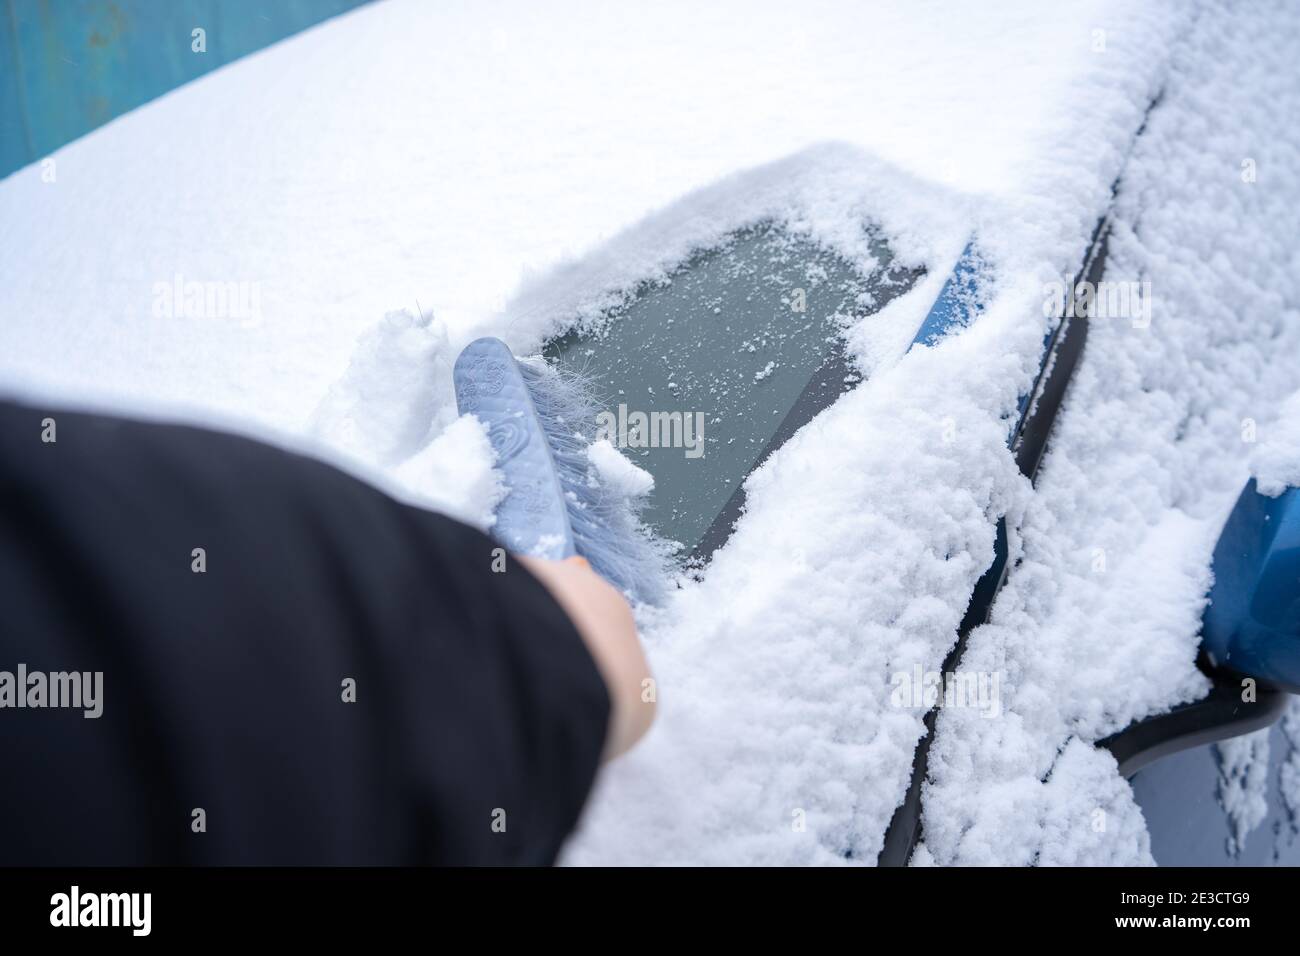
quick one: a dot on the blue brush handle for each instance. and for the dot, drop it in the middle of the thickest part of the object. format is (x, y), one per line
(533, 518)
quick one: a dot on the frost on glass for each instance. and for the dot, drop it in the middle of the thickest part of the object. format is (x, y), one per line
(745, 338)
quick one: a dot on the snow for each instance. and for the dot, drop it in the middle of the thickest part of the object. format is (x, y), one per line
(1098, 625)
(387, 404)
(389, 412)
(454, 474)
(1243, 784)
(1289, 773)
(463, 169)
(616, 472)
(1276, 463)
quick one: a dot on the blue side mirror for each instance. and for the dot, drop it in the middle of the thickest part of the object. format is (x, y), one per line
(958, 300)
(1252, 624)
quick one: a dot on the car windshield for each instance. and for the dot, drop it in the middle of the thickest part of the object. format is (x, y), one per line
(702, 375)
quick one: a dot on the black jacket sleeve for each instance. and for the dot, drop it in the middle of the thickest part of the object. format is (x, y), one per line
(296, 669)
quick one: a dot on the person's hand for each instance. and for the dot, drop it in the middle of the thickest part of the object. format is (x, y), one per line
(604, 620)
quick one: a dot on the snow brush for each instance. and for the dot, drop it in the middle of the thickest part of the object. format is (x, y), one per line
(541, 424)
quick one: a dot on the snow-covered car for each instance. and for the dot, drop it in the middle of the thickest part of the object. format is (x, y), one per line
(946, 355)
(753, 328)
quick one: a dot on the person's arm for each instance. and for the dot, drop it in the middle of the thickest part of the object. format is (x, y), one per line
(292, 667)
(604, 620)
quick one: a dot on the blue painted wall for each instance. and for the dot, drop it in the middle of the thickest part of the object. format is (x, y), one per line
(67, 66)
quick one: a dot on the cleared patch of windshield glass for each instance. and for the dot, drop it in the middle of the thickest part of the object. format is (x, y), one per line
(703, 375)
